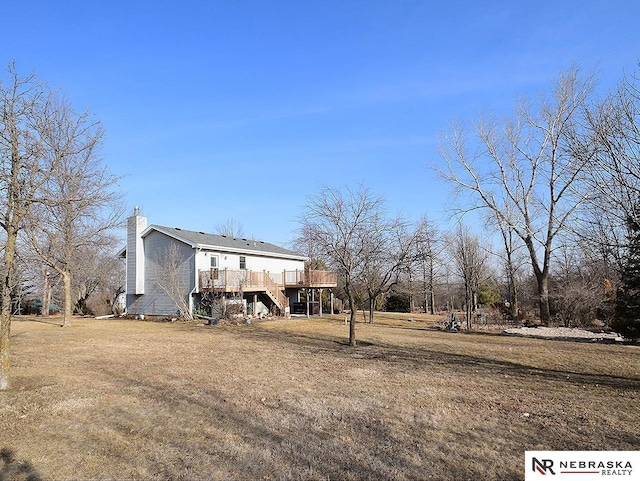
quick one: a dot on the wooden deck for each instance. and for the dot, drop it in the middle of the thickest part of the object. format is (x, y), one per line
(271, 284)
(227, 280)
(310, 279)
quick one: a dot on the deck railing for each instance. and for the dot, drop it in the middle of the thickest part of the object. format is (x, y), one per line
(235, 280)
(310, 278)
(227, 280)
(231, 280)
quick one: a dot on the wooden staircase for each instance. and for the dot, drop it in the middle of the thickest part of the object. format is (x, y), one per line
(272, 290)
(226, 280)
(246, 282)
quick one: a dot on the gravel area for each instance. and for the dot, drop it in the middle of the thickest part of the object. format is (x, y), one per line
(563, 333)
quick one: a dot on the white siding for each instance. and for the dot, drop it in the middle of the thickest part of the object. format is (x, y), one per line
(254, 262)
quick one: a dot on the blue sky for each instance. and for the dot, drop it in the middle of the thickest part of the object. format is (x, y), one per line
(241, 109)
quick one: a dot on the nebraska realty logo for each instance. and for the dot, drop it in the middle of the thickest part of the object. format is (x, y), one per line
(582, 465)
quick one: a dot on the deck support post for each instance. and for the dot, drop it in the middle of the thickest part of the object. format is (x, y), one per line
(331, 292)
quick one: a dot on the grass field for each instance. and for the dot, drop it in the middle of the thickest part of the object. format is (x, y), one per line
(288, 399)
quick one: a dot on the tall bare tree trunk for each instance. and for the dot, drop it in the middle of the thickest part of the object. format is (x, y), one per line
(46, 294)
(512, 287)
(425, 297)
(372, 306)
(66, 281)
(542, 278)
(468, 305)
(514, 306)
(352, 316)
(5, 319)
(432, 297)
(5, 340)
(5, 350)
(432, 302)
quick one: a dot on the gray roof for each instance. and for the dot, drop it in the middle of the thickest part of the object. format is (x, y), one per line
(217, 242)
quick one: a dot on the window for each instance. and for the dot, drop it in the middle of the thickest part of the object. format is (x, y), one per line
(214, 267)
(243, 262)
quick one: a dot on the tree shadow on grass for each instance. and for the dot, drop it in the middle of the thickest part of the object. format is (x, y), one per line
(278, 440)
(423, 357)
(40, 320)
(180, 429)
(12, 469)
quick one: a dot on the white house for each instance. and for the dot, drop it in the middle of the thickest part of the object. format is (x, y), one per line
(196, 264)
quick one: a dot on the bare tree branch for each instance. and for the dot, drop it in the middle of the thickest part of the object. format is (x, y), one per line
(170, 278)
(529, 171)
(340, 226)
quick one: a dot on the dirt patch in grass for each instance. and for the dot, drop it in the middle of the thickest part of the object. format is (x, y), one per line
(116, 399)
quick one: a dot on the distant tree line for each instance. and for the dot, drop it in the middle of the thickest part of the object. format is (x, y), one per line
(559, 183)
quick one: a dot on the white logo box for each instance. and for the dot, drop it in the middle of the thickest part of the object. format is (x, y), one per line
(582, 465)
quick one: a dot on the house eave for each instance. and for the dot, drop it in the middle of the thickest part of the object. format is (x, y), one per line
(167, 232)
(216, 248)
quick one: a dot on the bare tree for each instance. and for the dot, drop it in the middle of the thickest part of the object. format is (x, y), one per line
(512, 259)
(426, 262)
(614, 176)
(83, 286)
(97, 274)
(34, 279)
(110, 273)
(385, 257)
(581, 291)
(470, 260)
(340, 224)
(25, 280)
(230, 228)
(170, 279)
(82, 208)
(29, 118)
(528, 170)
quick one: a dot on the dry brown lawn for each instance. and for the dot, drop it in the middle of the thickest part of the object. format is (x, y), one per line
(288, 399)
